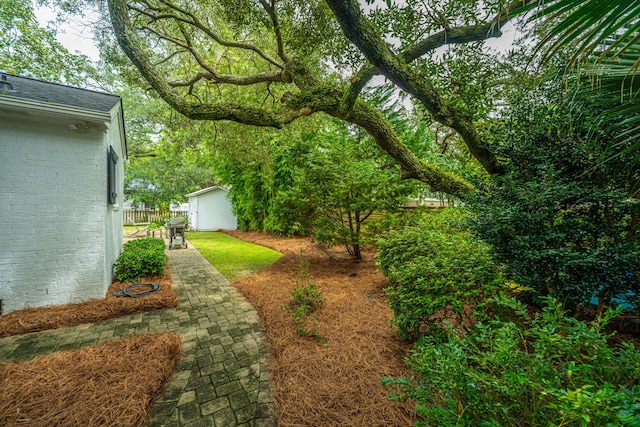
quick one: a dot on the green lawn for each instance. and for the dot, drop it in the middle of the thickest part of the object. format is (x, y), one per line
(232, 257)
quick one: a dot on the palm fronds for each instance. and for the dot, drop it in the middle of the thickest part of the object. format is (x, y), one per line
(602, 38)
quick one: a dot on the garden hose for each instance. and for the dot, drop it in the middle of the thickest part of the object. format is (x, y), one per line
(153, 287)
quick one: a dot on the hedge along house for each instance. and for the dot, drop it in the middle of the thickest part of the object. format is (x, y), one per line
(210, 209)
(61, 191)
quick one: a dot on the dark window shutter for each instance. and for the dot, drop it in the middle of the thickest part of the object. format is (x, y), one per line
(112, 159)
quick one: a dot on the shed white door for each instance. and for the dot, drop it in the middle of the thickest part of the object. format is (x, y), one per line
(193, 213)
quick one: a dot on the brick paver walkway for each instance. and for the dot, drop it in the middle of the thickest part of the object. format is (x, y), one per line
(222, 378)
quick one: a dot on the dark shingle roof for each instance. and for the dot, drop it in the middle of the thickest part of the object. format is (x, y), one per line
(38, 90)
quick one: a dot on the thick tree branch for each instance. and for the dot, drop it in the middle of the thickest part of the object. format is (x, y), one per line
(437, 178)
(451, 36)
(193, 80)
(465, 34)
(130, 44)
(360, 31)
(213, 75)
(269, 77)
(327, 100)
(270, 8)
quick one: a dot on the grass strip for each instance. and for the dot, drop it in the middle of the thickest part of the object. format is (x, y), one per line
(232, 257)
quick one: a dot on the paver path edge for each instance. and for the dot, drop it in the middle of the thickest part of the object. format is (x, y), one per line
(221, 380)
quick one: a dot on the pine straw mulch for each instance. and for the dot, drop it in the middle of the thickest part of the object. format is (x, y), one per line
(338, 384)
(113, 383)
(57, 316)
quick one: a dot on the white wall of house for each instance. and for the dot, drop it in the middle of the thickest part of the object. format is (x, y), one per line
(210, 209)
(113, 223)
(59, 235)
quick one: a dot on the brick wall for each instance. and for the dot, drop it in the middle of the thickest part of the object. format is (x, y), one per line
(113, 222)
(53, 214)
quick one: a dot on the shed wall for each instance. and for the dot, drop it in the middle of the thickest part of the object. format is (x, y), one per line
(213, 211)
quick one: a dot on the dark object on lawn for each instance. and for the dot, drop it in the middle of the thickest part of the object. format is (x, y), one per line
(175, 230)
(153, 287)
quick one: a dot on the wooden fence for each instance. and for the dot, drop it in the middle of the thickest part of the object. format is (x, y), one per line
(145, 216)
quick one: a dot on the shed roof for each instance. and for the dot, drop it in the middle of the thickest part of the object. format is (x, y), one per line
(41, 91)
(206, 190)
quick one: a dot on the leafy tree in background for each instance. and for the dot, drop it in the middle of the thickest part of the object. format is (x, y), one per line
(344, 180)
(169, 156)
(30, 50)
(257, 163)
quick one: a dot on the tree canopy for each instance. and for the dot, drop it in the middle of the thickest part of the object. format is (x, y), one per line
(28, 49)
(268, 63)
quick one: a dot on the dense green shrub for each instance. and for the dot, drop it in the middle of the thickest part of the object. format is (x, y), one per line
(549, 370)
(563, 218)
(432, 266)
(563, 238)
(140, 258)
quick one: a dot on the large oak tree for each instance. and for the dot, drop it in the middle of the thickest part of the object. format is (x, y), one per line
(268, 63)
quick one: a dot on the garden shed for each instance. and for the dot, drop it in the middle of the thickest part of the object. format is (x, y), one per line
(210, 209)
(63, 150)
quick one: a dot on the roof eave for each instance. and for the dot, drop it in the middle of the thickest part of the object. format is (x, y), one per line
(206, 190)
(53, 109)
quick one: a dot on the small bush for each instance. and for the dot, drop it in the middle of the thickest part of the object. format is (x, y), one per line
(140, 258)
(549, 370)
(434, 266)
(307, 299)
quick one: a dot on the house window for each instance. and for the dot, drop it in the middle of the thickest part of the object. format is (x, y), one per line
(112, 160)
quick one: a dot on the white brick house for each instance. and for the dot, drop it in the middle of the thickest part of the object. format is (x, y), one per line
(61, 190)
